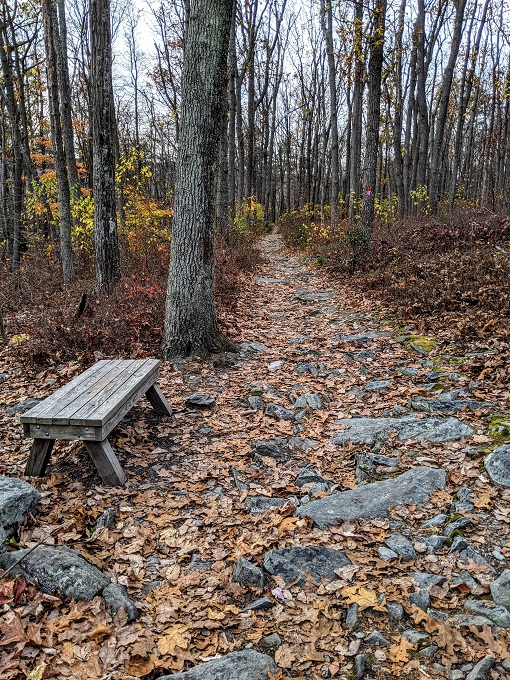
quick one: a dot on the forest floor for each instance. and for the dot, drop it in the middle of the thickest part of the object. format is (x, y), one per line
(184, 518)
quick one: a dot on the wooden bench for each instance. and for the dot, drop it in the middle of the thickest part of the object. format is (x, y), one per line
(88, 408)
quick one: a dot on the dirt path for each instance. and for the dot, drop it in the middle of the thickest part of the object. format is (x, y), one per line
(197, 484)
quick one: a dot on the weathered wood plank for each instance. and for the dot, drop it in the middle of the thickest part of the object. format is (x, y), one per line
(158, 401)
(101, 409)
(85, 400)
(65, 394)
(118, 411)
(65, 432)
(106, 462)
(39, 456)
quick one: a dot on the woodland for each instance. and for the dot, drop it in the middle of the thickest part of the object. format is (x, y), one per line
(303, 209)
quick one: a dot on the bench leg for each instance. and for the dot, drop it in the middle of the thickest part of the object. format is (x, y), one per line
(39, 456)
(158, 401)
(106, 462)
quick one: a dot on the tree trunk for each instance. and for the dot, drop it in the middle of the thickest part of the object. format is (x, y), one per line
(357, 115)
(64, 195)
(444, 100)
(327, 29)
(103, 138)
(364, 234)
(190, 319)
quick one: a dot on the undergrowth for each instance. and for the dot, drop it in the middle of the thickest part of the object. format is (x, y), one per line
(49, 323)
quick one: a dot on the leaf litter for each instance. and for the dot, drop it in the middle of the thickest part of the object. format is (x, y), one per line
(181, 520)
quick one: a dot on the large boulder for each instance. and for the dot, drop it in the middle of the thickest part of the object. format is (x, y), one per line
(294, 563)
(374, 500)
(17, 499)
(58, 569)
(497, 465)
(245, 665)
(369, 430)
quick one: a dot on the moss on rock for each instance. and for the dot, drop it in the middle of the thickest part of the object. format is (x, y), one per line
(499, 429)
(420, 343)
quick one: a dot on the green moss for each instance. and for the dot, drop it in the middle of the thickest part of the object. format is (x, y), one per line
(420, 343)
(499, 429)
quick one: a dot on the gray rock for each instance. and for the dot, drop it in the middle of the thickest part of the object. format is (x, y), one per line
(429, 652)
(387, 555)
(497, 465)
(256, 403)
(470, 555)
(464, 494)
(360, 665)
(275, 365)
(447, 404)
(310, 400)
(309, 477)
(240, 485)
(459, 543)
(351, 618)
(58, 569)
(247, 574)
(482, 668)
(369, 430)
(435, 521)
(415, 636)
(269, 448)
(264, 279)
(304, 367)
(258, 504)
(24, 406)
(116, 597)
(457, 674)
(379, 459)
(464, 578)
(402, 546)
(407, 370)
(198, 564)
(376, 639)
(427, 580)
(298, 340)
(506, 664)
(272, 641)
(360, 338)
(293, 563)
(3, 377)
(253, 347)
(302, 443)
(153, 563)
(420, 599)
(262, 604)
(320, 296)
(459, 525)
(500, 589)
(377, 385)
(498, 614)
(17, 499)
(374, 500)
(245, 665)
(395, 610)
(437, 614)
(434, 543)
(106, 520)
(279, 412)
(200, 400)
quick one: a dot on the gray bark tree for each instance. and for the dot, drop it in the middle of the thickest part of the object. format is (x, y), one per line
(190, 319)
(64, 194)
(103, 141)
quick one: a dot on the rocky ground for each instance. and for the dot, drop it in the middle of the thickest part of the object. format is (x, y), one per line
(334, 505)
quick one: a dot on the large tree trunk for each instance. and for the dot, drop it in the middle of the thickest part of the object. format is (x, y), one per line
(190, 319)
(357, 115)
(64, 195)
(103, 136)
(327, 29)
(364, 234)
(446, 86)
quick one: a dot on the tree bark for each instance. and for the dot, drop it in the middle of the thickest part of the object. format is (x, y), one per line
(364, 234)
(103, 139)
(190, 318)
(446, 86)
(64, 194)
